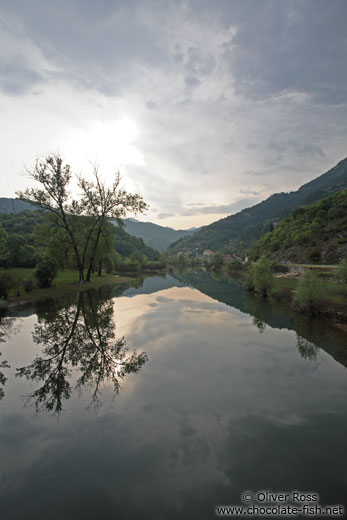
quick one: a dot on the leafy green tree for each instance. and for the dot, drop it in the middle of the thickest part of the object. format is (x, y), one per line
(105, 253)
(341, 272)
(139, 257)
(117, 259)
(181, 259)
(7, 282)
(19, 252)
(45, 272)
(3, 242)
(52, 240)
(218, 259)
(307, 292)
(260, 276)
(15, 243)
(97, 205)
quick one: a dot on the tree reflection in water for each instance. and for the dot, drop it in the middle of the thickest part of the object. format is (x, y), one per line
(307, 349)
(3, 378)
(80, 336)
(6, 327)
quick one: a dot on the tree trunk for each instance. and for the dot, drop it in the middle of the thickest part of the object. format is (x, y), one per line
(81, 279)
(91, 262)
(99, 269)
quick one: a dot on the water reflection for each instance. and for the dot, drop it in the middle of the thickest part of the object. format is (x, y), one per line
(79, 336)
(221, 408)
(6, 326)
(3, 378)
(313, 334)
(307, 349)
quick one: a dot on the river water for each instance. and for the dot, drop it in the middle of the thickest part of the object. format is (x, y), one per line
(165, 400)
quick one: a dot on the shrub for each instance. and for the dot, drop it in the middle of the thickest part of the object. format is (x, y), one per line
(45, 272)
(235, 265)
(7, 282)
(263, 277)
(126, 267)
(281, 268)
(155, 266)
(28, 284)
(341, 272)
(314, 254)
(307, 292)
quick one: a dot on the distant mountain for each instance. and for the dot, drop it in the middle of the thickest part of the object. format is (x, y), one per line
(158, 237)
(8, 205)
(127, 244)
(23, 223)
(238, 232)
(153, 235)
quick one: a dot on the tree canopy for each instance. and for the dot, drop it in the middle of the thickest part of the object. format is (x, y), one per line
(80, 221)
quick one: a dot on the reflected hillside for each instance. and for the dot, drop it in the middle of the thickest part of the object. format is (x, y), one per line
(311, 332)
(151, 284)
(78, 337)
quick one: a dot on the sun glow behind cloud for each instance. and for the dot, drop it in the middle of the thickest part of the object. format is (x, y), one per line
(109, 144)
(193, 103)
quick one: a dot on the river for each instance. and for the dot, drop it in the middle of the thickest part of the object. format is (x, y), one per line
(166, 399)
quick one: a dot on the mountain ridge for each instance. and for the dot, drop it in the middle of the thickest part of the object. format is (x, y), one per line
(239, 231)
(155, 236)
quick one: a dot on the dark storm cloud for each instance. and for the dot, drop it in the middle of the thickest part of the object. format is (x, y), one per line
(100, 44)
(276, 47)
(290, 46)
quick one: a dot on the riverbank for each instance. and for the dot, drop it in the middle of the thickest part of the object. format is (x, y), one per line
(65, 283)
(330, 304)
(329, 299)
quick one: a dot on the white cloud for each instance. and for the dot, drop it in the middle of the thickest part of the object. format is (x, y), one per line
(194, 102)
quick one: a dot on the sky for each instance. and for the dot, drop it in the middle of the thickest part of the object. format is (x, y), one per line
(204, 107)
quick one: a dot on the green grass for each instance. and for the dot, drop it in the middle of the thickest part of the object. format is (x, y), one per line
(65, 282)
(332, 295)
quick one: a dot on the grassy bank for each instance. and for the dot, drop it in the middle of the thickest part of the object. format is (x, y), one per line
(329, 299)
(331, 295)
(64, 283)
(320, 293)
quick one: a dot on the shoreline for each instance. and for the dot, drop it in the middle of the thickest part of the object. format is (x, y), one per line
(63, 289)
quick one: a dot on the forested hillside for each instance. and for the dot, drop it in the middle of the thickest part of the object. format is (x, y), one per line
(27, 237)
(153, 235)
(158, 237)
(238, 232)
(316, 234)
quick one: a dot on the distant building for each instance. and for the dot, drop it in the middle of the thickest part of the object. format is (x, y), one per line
(207, 255)
(184, 251)
(229, 257)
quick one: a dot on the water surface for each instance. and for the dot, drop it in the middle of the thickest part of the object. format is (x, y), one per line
(217, 393)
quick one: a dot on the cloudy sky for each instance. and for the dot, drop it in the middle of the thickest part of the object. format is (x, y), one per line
(205, 107)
